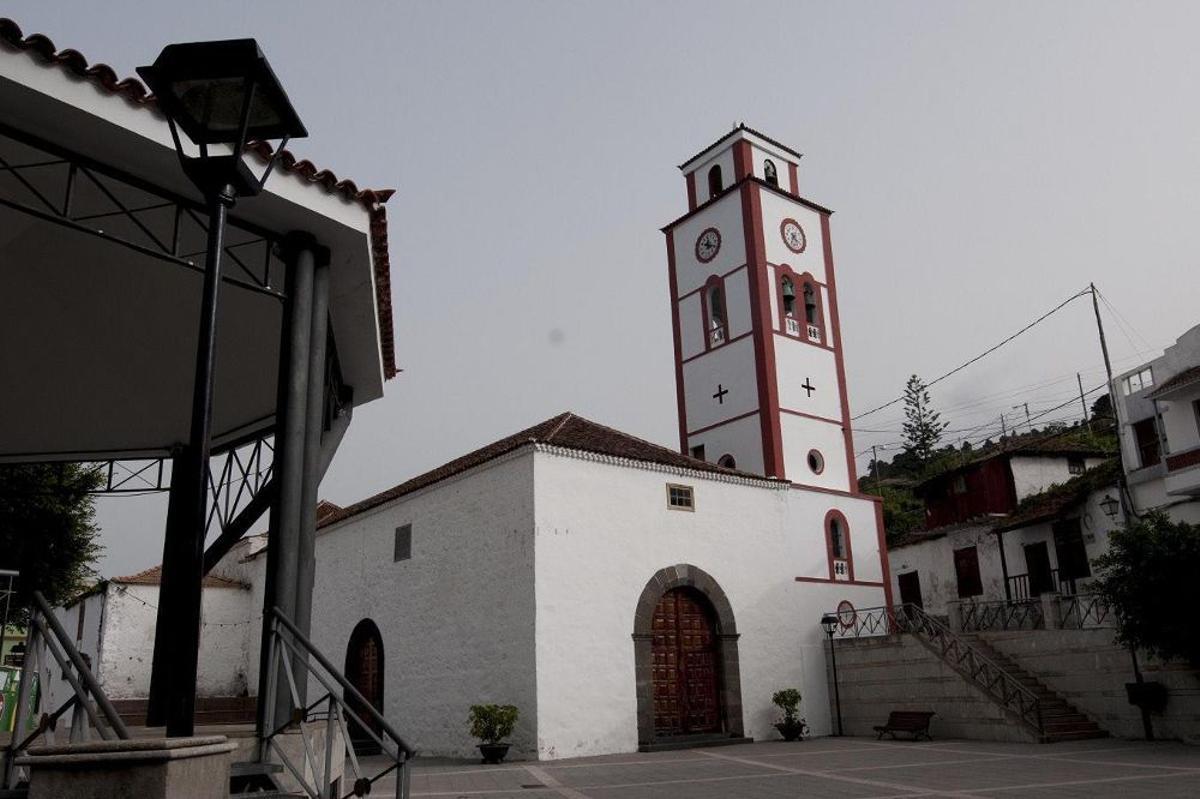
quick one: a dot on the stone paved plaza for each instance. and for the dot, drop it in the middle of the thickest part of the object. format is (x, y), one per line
(854, 768)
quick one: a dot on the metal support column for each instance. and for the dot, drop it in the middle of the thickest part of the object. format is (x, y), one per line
(305, 553)
(291, 402)
(177, 632)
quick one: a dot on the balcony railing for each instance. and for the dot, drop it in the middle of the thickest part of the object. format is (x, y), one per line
(814, 333)
(1025, 614)
(1018, 585)
(792, 325)
(716, 335)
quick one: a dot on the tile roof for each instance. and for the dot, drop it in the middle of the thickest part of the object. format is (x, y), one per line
(1184, 378)
(747, 129)
(40, 47)
(565, 430)
(153, 576)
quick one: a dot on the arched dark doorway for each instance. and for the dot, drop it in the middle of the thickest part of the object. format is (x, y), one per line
(685, 655)
(685, 658)
(364, 670)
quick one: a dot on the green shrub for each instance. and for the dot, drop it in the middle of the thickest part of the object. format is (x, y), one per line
(492, 723)
(788, 700)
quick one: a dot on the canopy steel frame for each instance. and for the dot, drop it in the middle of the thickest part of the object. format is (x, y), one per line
(58, 207)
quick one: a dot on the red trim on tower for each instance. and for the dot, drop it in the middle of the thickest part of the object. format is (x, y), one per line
(793, 178)
(764, 339)
(691, 190)
(729, 341)
(674, 286)
(825, 419)
(835, 322)
(724, 276)
(730, 420)
(798, 281)
(743, 163)
(867, 583)
(841, 517)
(885, 567)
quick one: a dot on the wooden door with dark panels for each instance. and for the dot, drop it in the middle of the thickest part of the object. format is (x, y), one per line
(364, 670)
(685, 665)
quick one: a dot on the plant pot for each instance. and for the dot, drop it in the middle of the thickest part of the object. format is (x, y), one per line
(493, 753)
(791, 730)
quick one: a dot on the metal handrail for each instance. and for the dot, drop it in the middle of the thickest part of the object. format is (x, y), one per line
(46, 631)
(1023, 614)
(289, 649)
(1080, 609)
(954, 651)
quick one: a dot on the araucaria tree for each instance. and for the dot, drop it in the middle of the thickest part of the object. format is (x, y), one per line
(923, 427)
(47, 530)
(1148, 576)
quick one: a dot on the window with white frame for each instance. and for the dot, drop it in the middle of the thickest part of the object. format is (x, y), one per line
(679, 497)
(1139, 380)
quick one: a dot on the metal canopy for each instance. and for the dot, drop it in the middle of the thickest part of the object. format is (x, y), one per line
(101, 247)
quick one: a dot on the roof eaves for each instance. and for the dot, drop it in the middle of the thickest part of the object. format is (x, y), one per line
(742, 127)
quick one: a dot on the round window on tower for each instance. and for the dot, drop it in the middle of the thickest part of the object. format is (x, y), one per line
(816, 461)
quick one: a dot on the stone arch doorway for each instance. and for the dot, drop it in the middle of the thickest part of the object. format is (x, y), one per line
(364, 670)
(685, 643)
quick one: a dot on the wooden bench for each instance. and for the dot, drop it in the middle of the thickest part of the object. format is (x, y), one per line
(914, 721)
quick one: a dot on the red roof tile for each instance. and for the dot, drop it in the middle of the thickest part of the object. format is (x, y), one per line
(42, 48)
(1184, 378)
(565, 430)
(153, 576)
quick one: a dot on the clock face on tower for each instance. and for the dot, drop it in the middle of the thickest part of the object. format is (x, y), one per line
(793, 235)
(708, 245)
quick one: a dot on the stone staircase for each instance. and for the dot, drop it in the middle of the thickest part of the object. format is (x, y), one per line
(1061, 721)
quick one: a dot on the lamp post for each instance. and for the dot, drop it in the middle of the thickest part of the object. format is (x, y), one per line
(222, 95)
(1110, 506)
(829, 623)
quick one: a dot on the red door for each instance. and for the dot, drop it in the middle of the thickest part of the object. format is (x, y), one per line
(684, 665)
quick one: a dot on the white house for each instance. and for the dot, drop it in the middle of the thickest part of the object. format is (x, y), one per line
(624, 594)
(1158, 409)
(1017, 521)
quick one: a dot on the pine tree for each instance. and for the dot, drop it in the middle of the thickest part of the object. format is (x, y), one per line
(923, 427)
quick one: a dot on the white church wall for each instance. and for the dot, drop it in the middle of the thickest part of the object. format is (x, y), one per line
(722, 158)
(457, 618)
(737, 302)
(726, 216)
(731, 366)
(775, 209)
(691, 326)
(741, 438)
(759, 152)
(797, 362)
(754, 541)
(801, 435)
(127, 651)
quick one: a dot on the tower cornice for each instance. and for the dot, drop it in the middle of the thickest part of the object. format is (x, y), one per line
(733, 187)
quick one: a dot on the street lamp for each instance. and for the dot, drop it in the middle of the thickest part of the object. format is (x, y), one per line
(1110, 506)
(222, 95)
(829, 623)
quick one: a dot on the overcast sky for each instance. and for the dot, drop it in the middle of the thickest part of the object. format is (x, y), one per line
(985, 160)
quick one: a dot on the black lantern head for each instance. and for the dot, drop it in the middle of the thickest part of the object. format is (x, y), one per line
(829, 622)
(221, 93)
(1110, 506)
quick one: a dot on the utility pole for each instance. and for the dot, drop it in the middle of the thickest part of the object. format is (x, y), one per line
(1086, 419)
(1127, 511)
(1028, 420)
(1003, 427)
(875, 461)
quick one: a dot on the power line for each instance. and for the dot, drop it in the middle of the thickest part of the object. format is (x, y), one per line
(983, 354)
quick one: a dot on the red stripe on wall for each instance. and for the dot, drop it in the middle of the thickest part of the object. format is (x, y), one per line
(743, 165)
(691, 190)
(851, 468)
(764, 338)
(793, 178)
(674, 284)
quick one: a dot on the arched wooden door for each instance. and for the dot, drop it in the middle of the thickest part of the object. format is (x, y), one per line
(364, 670)
(685, 665)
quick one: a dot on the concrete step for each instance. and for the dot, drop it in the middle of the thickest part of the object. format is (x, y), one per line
(1074, 736)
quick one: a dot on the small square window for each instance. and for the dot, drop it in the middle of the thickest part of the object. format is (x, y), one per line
(1075, 465)
(403, 547)
(680, 497)
(960, 484)
(698, 452)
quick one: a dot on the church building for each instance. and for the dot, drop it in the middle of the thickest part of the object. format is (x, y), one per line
(622, 594)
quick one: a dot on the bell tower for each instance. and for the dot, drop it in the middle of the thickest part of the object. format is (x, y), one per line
(758, 353)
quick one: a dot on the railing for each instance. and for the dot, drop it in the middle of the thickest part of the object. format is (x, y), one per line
(289, 649)
(1025, 614)
(1018, 585)
(46, 634)
(793, 326)
(968, 661)
(716, 335)
(1085, 611)
(814, 333)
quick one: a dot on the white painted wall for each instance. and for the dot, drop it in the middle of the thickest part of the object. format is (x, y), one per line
(934, 563)
(1034, 474)
(801, 435)
(603, 530)
(774, 210)
(760, 151)
(731, 366)
(691, 325)
(796, 361)
(457, 619)
(741, 438)
(726, 216)
(723, 158)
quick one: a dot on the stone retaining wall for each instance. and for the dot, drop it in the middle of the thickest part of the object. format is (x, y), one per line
(897, 672)
(1086, 668)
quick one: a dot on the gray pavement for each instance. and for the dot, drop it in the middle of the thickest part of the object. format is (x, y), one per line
(847, 768)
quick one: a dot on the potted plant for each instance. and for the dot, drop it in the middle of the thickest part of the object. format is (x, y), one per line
(791, 726)
(492, 724)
